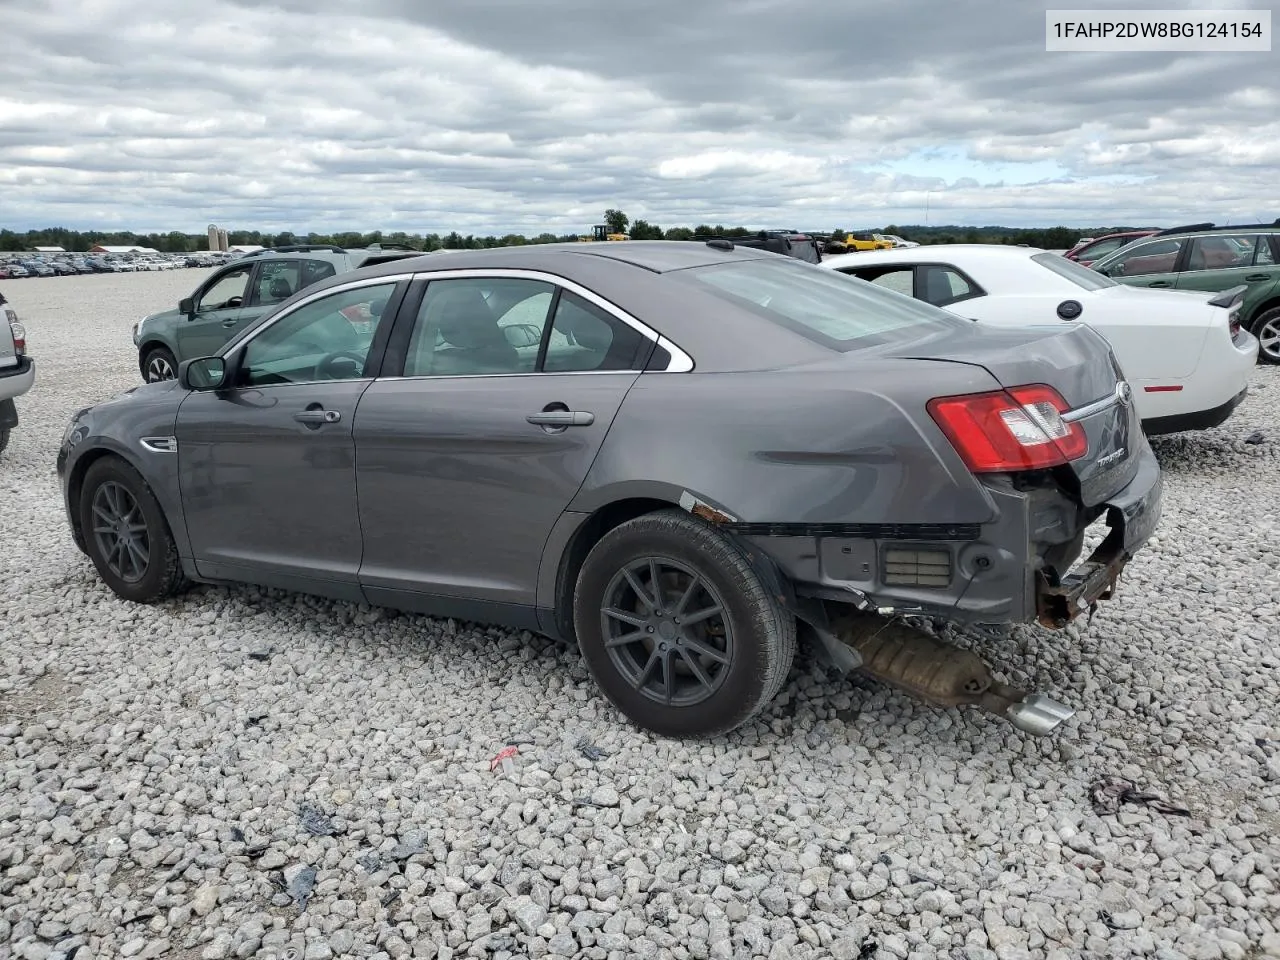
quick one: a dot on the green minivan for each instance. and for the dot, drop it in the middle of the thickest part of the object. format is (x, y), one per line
(235, 295)
(1205, 257)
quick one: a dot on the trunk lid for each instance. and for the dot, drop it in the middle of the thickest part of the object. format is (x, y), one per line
(1078, 363)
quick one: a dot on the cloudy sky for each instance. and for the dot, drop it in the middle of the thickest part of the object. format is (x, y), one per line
(528, 115)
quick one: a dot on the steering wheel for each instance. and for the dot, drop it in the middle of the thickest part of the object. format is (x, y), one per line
(322, 372)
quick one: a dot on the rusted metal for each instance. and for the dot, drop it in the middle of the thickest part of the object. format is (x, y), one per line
(923, 666)
(939, 673)
(1057, 605)
(710, 514)
(700, 508)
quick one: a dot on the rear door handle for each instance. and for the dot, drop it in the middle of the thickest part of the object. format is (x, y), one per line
(1256, 278)
(317, 416)
(1160, 283)
(230, 322)
(562, 418)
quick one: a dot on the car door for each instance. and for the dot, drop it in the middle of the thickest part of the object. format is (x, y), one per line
(499, 395)
(267, 464)
(217, 311)
(1149, 263)
(1221, 261)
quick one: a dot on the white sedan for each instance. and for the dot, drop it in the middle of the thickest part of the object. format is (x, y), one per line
(1183, 353)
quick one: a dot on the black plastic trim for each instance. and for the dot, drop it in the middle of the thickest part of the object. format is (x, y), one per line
(860, 531)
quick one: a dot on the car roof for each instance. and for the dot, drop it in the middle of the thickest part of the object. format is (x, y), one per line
(1194, 229)
(655, 256)
(633, 274)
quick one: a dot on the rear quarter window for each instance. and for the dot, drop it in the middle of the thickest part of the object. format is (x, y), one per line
(834, 310)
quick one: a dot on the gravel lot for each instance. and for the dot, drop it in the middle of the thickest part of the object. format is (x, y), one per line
(175, 778)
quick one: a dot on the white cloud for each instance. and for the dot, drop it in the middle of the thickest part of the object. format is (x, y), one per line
(495, 115)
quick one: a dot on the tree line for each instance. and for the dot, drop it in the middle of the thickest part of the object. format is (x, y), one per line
(617, 222)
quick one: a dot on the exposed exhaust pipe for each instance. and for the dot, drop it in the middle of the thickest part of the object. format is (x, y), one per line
(1038, 714)
(941, 674)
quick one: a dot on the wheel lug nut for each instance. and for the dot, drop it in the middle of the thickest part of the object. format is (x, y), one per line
(650, 629)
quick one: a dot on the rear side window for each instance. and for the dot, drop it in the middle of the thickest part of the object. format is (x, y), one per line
(277, 281)
(823, 305)
(1221, 252)
(313, 271)
(1264, 257)
(585, 337)
(943, 286)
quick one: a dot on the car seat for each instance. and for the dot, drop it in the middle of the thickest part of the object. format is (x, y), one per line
(471, 340)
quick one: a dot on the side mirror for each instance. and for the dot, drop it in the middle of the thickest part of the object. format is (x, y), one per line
(204, 373)
(187, 306)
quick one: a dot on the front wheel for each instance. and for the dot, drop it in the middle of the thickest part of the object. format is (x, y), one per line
(126, 534)
(159, 364)
(1267, 329)
(677, 629)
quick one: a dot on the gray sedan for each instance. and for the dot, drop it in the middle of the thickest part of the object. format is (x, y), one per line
(679, 456)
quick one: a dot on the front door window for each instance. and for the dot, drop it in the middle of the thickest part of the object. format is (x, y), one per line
(326, 339)
(227, 292)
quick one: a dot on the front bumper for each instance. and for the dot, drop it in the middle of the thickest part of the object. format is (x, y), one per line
(1002, 571)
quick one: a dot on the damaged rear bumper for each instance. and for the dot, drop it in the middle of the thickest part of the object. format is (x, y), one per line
(1132, 517)
(1010, 569)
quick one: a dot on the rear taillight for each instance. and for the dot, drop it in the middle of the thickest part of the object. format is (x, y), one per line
(19, 337)
(1010, 430)
(1233, 322)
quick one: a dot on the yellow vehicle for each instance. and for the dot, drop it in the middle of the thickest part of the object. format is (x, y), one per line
(601, 232)
(863, 241)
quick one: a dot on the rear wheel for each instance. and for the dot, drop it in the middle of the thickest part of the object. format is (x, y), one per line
(1267, 329)
(677, 629)
(126, 534)
(158, 364)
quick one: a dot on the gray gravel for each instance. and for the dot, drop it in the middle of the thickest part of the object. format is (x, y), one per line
(180, 781)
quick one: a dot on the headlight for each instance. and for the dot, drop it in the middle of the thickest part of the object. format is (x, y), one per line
(76, 431)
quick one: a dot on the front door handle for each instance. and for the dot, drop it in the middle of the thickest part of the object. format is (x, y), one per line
(1256, 278)
(562, 418)
(230, 322)
(1160, 283)
(317, 416)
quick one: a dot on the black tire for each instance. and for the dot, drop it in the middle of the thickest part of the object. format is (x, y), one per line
(151, 570)
(158, 363)
(1267, 325)
(4, 438)
(741, 655)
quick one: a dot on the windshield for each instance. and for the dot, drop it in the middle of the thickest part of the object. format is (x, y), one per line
(1081, 276)
(830, 308)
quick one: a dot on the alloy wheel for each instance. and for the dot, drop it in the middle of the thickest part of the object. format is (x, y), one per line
(120, 531)
(1269, 338)
(666, 631)
(159, 368)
